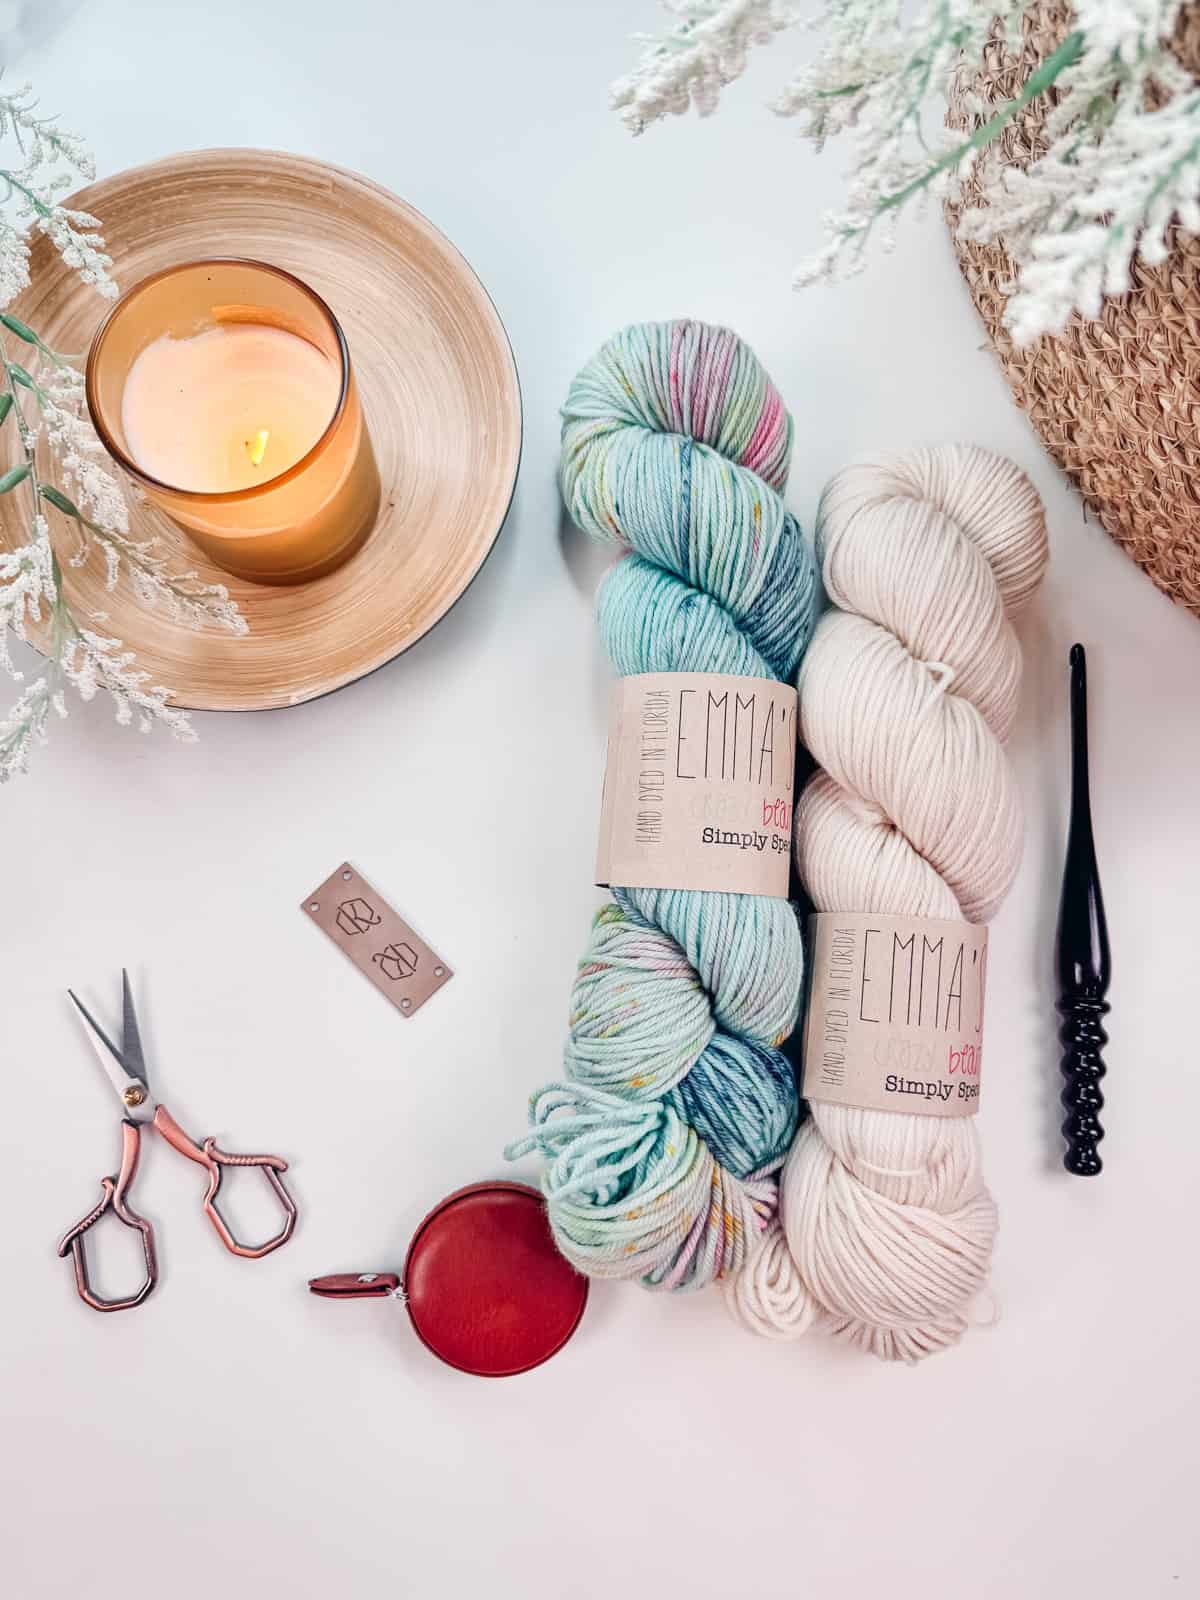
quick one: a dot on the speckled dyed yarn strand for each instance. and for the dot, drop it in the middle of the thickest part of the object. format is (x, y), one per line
(885, 1225)
(663, 1146)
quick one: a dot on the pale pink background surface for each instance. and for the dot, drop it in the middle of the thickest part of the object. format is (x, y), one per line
(236, 1434)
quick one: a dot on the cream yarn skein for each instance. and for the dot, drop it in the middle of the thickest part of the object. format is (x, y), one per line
(907, 694)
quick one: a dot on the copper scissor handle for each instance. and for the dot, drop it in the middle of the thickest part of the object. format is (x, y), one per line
(213, 1160)
(114, 1200)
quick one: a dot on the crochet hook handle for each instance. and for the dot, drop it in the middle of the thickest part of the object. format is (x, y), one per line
(1084, 966)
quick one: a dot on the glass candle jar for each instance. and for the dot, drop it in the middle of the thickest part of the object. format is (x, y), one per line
(224, 387)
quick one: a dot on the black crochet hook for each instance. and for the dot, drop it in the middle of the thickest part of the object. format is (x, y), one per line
(1084, 965)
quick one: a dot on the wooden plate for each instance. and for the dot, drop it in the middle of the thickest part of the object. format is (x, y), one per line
(438, 384)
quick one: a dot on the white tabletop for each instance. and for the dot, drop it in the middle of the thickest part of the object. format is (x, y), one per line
(236, 1434)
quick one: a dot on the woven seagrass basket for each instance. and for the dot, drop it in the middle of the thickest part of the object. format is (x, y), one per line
(1116, 400)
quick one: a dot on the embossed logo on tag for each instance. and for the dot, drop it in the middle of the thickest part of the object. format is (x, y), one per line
(397, 961)
(356, 916)
(379, 941)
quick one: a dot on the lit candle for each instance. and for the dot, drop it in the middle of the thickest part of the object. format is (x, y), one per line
(225, 386)
(227, 408)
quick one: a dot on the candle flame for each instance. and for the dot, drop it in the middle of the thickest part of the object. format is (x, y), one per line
(258, 446)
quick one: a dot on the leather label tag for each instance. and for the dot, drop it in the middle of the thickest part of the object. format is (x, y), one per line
(895, 1013)
(378, 941)
(698, 785)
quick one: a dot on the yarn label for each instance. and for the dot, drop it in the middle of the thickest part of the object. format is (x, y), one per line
(895, 1013)
(698, 785)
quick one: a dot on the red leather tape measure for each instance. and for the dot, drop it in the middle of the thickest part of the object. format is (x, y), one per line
(485, 1288)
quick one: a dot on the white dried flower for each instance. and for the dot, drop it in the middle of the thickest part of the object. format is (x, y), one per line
(99, 662)
(80, 455)
(690, 65)
(49, 402)
(25, 727)
(1122, 167)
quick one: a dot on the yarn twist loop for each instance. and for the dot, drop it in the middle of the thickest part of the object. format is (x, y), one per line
(885, 1227)
(663, 1145)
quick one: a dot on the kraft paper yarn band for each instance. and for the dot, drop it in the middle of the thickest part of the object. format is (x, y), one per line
(698, 785)
(895, 1013)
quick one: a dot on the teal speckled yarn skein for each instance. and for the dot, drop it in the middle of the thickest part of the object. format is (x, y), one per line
(663, 1145)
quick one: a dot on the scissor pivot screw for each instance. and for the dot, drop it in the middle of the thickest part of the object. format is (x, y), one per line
(133, 1096)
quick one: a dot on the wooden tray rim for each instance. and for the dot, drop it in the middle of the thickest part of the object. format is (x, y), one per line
(185, 159)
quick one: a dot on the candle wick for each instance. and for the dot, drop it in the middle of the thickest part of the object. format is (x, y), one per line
(258, 446)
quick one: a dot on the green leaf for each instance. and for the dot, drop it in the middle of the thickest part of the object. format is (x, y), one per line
(5, 406)
(14, 476)
(59, 500)
(22, 331)
(19, 375)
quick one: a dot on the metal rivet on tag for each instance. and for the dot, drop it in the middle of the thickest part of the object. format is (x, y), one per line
(379, 942)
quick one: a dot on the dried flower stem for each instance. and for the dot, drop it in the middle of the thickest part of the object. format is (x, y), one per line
(31, 580)
(1121, 169)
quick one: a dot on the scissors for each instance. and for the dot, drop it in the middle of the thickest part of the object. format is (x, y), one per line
(126, 1069)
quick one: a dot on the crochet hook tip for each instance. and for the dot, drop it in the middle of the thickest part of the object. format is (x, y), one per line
(1078, 703)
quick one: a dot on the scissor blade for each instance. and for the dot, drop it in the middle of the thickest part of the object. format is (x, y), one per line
(131, 1039)
(110, 1057)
